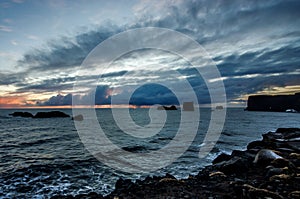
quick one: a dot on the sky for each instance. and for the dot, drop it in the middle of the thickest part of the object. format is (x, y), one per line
(254, 44)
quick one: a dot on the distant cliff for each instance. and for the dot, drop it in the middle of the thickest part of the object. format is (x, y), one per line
(278, 103)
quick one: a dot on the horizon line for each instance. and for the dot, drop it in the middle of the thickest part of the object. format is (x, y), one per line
(110, 106)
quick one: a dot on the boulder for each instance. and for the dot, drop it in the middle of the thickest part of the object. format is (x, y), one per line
(280, 163)
(222, 157)
(235, 165)
(294, 194)
(256, 145)
(123, 184)
(217, 175)
(271, 171)
(265, 156)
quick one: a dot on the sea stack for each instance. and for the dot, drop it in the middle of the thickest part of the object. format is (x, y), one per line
(188, 106)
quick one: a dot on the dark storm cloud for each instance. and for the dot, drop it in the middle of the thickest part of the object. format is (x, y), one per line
(151, 94)
(100, 95)
(238, 87)
(114, 74)
(66, 52)
(10, 78)
(282, 60)
(208, 21)
(205, 21)
(51, 85)
(48, 85)
(268, 33)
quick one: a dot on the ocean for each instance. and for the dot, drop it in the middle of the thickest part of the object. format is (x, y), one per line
(40, 158)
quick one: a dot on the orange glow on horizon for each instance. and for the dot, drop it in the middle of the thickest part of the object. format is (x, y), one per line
(13, 106)
(12, 101)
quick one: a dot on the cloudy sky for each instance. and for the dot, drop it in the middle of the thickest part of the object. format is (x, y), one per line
(254, 44)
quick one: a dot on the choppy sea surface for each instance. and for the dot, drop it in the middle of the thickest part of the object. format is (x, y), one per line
(40, 158)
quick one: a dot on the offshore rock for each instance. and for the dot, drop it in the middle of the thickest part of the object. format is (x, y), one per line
(50, 114)
(21, 114)
(40, 114)
(167, 108)
(78, 118)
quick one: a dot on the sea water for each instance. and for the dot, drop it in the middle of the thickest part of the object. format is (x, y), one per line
(43, 157)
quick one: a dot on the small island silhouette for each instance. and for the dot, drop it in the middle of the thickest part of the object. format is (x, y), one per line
(173, 107)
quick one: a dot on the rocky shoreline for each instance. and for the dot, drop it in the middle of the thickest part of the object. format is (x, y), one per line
(269, 168)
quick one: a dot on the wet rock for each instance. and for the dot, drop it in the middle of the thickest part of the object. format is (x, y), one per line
(234, 165)
(167, 180)
(123, 184)
(264, 157)
(294, 156)
(274, 174)
(256, 145)
(288, 150)
(271, 136)
(271, 171)
(247, 155)
(222, 157)
(253, 192)
(280, 163)
(287, 130)
(218, 176)
(281, 177)
(294, 194)
(295, 145)
(169, 176)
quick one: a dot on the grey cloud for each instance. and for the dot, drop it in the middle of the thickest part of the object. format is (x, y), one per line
(58, 100)
(48, 85)
(100, 95)
(239, 87)
(223, 23)
(10, 78)
(65, 52)
(150, 94)
(282, 60)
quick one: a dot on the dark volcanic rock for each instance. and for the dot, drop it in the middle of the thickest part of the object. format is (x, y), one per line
(50, 114)
(265, 157)
(40, 114)
(21, 114)
(232, 176)
(253, 192)
(222, 157)
(279, 103)
(233, 166)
